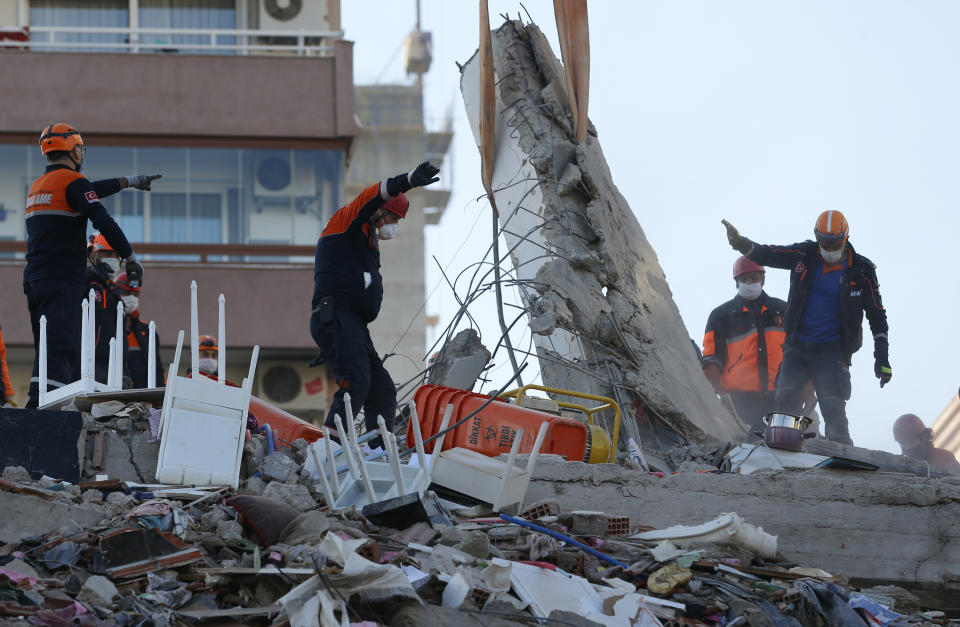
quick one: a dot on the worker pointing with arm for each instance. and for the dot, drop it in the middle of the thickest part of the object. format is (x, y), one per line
(58, 206)
(348, 292)
(831, 288)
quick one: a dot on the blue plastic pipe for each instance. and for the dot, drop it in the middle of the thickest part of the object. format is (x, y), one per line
(563, 538)
(269, 431)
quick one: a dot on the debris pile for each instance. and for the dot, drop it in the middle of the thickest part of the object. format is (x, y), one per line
(118, 550)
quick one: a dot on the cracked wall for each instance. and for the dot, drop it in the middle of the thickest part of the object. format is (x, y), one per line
(600, 308)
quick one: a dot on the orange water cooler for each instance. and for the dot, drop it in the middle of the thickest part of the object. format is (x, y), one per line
(491, 431)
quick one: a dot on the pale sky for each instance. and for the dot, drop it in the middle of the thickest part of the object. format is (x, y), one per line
(762, 113)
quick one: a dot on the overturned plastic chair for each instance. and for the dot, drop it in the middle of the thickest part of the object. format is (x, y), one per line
(87, 383)
(203, 421)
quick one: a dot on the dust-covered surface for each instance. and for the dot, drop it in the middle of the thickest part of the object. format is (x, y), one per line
(125, 552)
(599, 304)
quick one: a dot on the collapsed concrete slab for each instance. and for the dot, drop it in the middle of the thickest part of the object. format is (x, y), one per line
(460, 361)
(26, 516)
(876, 528)
(600, 308)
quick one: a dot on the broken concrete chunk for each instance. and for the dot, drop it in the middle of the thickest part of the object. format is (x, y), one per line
(277, 467)
(98, 591)
(476, 544)
(297, 496)
(460, 361)
(230, 531)
(210, 520)
(16, 474)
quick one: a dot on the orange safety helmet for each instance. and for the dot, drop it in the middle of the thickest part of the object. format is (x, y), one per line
(744, 265)
(831, 227)
(908, 427)
(208, 343)
(97, 243)
(59, 137)
(398, 205)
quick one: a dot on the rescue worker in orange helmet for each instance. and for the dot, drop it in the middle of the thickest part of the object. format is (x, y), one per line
(209, 353)
(138, 334)
(916, 441)
(831, 288)
(742, 345)
(348, 292)
(103, 265)
(6, 388)
(58, 206)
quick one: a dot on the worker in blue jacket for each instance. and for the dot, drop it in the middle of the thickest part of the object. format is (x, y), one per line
(348, 292)
(831, 288)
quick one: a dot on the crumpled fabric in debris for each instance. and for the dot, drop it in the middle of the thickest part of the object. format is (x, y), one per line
(153, 507)
(64, 617)
(828, 600)
(168, 592)
(543, 546)
(64, 554)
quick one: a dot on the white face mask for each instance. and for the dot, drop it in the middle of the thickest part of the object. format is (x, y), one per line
(831, 256)
(113, 263)
(130, 304)
(749, 291)
(208, 365)
(389, 231)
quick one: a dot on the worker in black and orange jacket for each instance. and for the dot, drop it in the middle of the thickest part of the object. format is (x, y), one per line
(348, 292)
(743, 345)
(58, 206)
(138, 335)
(6, 388)
(100, 272)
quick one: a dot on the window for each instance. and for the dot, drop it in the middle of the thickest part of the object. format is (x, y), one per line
(206, 195)
(80, 13)
(204, 14)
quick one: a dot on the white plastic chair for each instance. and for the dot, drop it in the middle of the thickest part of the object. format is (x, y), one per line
(203, 421)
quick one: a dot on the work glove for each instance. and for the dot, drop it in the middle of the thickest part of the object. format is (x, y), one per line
(423, 175)
(737, 241)
(882, 370)
(134, 271)
(141, 181)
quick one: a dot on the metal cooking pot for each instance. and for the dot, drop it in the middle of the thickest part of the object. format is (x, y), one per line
(780, 419)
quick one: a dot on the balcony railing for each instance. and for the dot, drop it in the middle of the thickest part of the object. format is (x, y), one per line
(170, 40)
(204, 253)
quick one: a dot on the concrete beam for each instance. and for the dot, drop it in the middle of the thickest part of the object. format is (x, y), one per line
(871, 526)
(602, 314)
(25, 516)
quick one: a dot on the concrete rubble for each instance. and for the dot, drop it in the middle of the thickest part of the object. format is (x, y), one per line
(124, 551)
(600, 308)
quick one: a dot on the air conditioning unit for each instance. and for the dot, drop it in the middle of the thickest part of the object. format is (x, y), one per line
(291, 385)
(294, 15)
(274, 176)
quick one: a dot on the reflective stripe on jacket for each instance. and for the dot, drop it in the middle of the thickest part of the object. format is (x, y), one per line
(745, 340)
(57, 208)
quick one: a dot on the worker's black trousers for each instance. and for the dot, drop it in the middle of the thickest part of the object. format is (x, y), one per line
(825, 364)
(344, 342)
(751, 408)
(59, 301)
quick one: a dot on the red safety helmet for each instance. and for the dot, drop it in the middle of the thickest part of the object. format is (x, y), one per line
(98, 242)
(831, 227)
(907, 427)
(59, 137)
(744, 265)
(398, 205)
(208, 343)
(123, 284)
